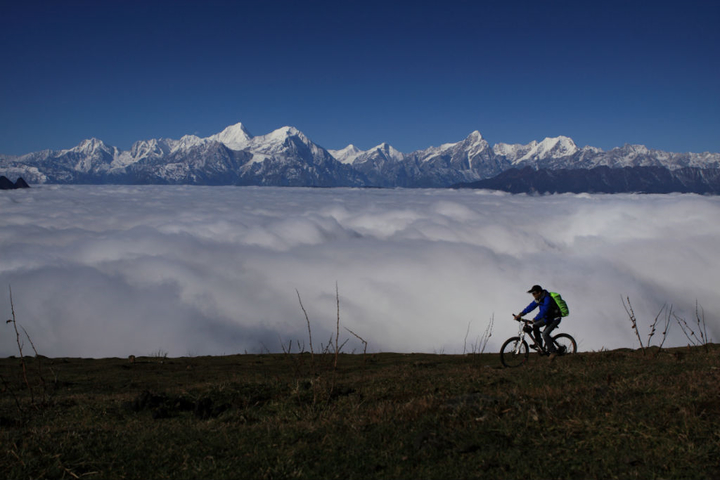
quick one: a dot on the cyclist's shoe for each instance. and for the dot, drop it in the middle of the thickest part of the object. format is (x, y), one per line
(535, 347)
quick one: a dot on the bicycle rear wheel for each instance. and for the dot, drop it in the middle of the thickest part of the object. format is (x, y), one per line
(565, 344)
(514, 352)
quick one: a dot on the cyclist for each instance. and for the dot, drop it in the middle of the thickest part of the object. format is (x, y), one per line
(549, 316)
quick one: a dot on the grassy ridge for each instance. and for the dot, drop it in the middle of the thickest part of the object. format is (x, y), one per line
(615, 414)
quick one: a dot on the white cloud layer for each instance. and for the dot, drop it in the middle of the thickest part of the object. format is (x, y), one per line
(100, 271)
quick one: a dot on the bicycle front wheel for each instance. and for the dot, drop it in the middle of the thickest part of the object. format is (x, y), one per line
(565, 344)
(514, 352)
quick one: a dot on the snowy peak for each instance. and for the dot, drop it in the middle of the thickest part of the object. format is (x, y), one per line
(549, 148)
(591, 150)
(280, 136)
(235, 137)
(513, 151)
(475, 144)
(91, 155)
(388, 151)
(634, 149)
(278, 141)
(90, 146)
(149, 148)
(559, 146)
(351, 155)
(186, 142)
(288, 131)
(475, 137)
(346, 155)
(382, 154)
(472, 146)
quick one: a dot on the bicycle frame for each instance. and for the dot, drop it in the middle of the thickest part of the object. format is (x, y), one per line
(521, 333)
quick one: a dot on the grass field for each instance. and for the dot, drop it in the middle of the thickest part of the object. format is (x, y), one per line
(609, 414)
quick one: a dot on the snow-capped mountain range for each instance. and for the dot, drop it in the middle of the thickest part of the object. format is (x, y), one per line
(286, 157)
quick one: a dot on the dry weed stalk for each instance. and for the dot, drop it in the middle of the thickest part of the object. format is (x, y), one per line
(39, 363)
(13, 320)
(326, 348)
(337, 330)
(297, 363)
(467, 332)
(365, 344)
(668, 316)
(24, 364)
(633, 320)
(487, 334)
(307, 319)
(324, 372)
(701, 327)
(665, 330)
(478, 347)
(327, 361)
(652, 327)
(696, 339)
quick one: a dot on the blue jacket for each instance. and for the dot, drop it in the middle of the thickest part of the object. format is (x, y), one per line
(548, 308)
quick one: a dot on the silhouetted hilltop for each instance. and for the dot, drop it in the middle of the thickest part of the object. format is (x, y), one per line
(7, 184)
(604, 180)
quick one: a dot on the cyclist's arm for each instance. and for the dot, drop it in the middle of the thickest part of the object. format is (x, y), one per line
(529, 308)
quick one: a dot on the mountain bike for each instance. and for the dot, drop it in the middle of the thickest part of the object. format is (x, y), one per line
(515, 352)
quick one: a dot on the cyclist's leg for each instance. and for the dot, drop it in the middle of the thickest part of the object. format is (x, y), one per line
(546, 335)
(537, 336)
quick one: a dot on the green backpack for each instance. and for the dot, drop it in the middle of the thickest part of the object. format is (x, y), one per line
(562, 305)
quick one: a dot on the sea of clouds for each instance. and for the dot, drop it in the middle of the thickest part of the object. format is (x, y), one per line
(103, 271)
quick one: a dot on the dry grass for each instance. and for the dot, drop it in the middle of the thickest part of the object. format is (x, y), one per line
(612, 414)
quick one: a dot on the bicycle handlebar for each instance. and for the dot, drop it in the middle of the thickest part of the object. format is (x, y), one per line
(522, 320)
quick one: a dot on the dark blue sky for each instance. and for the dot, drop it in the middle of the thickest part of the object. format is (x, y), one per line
(413, 74)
